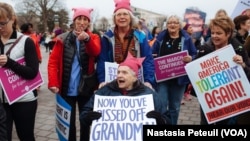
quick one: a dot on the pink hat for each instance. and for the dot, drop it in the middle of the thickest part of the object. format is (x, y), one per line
(119, 4)
(82, 12)
(133, 63)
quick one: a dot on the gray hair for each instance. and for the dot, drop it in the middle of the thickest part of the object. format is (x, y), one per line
(175, 17)
(134, 19)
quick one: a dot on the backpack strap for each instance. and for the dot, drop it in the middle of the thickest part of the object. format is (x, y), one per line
(17, 40)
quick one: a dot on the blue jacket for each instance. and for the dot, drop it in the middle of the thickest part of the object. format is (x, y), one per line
(143, 50)
(186, 44)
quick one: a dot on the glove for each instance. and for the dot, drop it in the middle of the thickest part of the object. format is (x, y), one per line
(157, 116)
(92, 115)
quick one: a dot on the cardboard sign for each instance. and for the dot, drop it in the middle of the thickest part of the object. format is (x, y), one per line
(170, 66)
(63, 112)
(14, 86)
(221, 85)
(122, 117)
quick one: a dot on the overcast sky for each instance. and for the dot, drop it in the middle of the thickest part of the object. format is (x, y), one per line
(106, 7)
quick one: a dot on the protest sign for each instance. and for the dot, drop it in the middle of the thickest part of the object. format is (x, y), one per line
(111, 72)
(170, 66)
(196, 18)
(16, 87)
(63, 111)
(122, 117)
(242, 7)
(221, 85)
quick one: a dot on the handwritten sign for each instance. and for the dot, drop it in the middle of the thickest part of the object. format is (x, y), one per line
(16, 87)
(170, 66)
(122, 117)
(63, 111)
(221, 85)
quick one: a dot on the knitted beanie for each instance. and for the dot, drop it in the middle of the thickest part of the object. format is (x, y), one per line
(133, 63)
(119, 4)
(80, 11)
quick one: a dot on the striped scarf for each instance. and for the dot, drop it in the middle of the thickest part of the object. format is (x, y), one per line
(121, 48)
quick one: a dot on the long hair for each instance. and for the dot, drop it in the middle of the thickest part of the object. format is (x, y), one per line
(7, 12)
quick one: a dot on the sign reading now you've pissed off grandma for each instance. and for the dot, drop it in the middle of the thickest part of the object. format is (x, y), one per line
(220, 84)
(122, 117)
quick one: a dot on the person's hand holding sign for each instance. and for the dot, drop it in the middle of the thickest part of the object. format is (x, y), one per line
(90, 116)
(158, 117)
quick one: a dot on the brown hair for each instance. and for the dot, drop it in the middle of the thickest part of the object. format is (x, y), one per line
(241, 19)
(7, 12)
(225, 23)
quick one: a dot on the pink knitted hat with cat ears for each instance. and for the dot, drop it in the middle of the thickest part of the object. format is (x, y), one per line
(133, 63)
(119, 4)
(80, 11)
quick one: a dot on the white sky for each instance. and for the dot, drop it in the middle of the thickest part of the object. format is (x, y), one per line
(106, 7)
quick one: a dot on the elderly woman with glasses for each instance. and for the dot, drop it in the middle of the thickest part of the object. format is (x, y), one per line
(22, 112)
(172, 40)
(124, 38)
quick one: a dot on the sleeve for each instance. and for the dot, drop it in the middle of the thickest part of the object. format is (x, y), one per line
(93, 45)
(30, 70)
(103, 57)
(55, 58)
(148, 63)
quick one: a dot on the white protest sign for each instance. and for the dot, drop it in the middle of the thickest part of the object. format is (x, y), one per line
(241, 7)
(63, 111)
(221, 85)
(122, 117)
(111, 72)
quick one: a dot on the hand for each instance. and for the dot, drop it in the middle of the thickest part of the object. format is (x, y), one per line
(83, 36)
(102, 84)
(54, 89)
(148, 85)
(92, 115)
(238, 59)
(3, 59)
(187, 59)
(157, 116)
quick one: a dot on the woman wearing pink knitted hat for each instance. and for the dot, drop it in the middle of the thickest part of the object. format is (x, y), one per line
(122, 38)
(74, 55)
(127, 85)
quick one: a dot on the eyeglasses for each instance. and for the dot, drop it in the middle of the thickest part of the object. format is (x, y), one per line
(173, 23)
(122, 14)
(2, 24)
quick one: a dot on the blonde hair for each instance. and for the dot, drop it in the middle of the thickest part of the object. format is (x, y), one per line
(221, 11)
(7, 12)
(225, 23)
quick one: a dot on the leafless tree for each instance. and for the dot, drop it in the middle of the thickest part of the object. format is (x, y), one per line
(41, 11)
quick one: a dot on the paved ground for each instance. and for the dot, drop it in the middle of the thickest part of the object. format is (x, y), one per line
(45, 118)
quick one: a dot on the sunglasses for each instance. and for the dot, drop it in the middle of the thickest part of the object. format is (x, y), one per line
(2, 24)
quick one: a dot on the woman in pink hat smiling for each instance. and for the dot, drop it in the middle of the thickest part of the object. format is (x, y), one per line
(122, 38)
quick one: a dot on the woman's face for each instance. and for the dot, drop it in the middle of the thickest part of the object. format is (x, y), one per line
(245, 26)
(219, 37)
(125, 78)
(157, 30)
(122, 18)
(5, 27)
(81, 23)
(173, 25)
